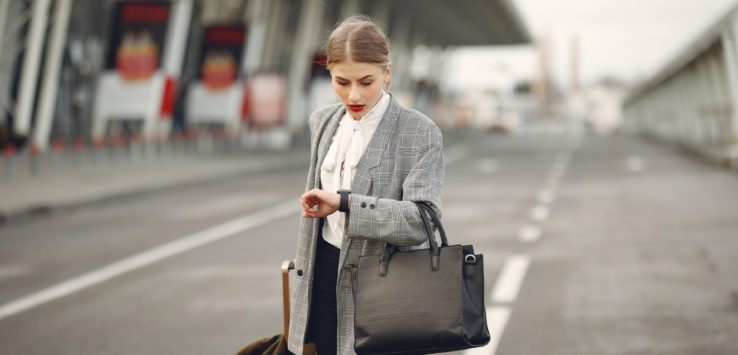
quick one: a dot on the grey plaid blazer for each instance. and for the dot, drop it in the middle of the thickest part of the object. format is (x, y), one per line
(402, 163)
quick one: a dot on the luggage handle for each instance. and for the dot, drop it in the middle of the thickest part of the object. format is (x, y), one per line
(287, 265)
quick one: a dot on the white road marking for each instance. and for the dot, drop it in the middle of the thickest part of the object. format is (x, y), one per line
(546, 196)
(497, 317)
(635, 164)
(511, 279)
(149, 257)
(539, 213)
(529, 233)
(552, 183)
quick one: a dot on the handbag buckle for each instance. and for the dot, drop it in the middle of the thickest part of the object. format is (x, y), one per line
(470, 259)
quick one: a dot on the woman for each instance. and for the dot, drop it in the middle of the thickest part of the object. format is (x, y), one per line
(370, 158)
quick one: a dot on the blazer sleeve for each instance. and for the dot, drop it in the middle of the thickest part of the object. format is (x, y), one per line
(399, 222)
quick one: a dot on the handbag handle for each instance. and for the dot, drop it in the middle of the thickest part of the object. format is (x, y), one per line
(425, 211)
(436, 221)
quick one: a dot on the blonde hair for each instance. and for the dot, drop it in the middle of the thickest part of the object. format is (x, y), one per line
(358, 39)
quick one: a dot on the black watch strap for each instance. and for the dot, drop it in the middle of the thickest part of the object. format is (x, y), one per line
(343, 205)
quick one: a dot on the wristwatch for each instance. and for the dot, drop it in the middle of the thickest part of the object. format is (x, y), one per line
(343, 205)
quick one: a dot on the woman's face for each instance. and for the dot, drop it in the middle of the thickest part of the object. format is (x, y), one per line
(359, 85)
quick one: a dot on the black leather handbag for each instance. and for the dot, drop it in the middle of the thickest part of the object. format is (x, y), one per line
(421, 301)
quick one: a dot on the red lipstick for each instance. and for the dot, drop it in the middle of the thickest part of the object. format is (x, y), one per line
(356, 108)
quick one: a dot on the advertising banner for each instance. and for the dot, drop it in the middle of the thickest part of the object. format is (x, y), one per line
(221, 55)
(137, 43)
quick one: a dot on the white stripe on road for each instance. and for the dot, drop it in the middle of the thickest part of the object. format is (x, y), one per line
(539, 213)
(546, 196)
(497, 317)
(148, 257)
(510, 279)
(529, 233)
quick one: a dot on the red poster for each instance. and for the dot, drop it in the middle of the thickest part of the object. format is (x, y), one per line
(138, 39)
(221, 55)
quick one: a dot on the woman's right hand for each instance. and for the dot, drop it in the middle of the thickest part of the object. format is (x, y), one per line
(326, 202)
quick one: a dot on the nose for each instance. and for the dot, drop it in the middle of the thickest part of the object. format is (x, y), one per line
(354, 93)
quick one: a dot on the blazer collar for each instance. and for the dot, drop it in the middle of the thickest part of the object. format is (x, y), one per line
(373, 153)
(381, 137)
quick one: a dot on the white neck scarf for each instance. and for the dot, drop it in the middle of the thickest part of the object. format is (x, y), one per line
(348, 145)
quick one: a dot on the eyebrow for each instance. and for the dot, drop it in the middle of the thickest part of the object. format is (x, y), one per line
(340, 78)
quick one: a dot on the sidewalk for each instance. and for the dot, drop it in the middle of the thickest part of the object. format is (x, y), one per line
(82, 178)
(71, 186)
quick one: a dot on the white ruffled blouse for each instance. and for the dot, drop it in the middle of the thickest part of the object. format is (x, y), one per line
(348, 145)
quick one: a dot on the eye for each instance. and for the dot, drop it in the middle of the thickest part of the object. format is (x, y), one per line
(342, 83)
(366, 83)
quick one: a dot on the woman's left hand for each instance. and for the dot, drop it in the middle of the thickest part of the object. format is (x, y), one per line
(327, 203)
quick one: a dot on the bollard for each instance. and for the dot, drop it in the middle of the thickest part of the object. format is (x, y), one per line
(8, 161)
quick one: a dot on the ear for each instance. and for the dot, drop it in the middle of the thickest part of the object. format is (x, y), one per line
(388, 77)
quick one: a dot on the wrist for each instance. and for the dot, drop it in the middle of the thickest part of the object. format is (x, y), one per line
(344, 200)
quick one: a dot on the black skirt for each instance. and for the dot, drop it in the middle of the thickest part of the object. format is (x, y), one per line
(323, 319)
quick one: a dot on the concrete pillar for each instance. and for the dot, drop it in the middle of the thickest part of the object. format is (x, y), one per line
(381, 11)
(47, 102)
(256, 17)
(308, 30)
(720, 76)
(174, 53)
(349, 8)
(718, 97)
(697, 90)
(400, 54)
(31, 64)
(730, 52)
(277, 16)
(177, 37)
(687, 103)
(4, 4)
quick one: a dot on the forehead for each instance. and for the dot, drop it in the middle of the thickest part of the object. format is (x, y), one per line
(355, 70)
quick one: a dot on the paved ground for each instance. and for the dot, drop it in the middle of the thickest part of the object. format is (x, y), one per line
(592, 246)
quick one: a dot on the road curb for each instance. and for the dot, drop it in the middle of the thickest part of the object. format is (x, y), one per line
(49, 209)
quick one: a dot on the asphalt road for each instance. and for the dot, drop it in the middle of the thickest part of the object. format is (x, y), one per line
(593, 245)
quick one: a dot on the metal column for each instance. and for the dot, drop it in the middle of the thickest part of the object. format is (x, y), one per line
(274, 33)
(3, 18)
(730, 51)
(54, 58)
(31, 63)
(349, 8)
(308, 30)
(254, 49)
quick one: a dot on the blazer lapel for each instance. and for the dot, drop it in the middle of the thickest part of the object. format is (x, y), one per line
(326, 131)
(362, 181)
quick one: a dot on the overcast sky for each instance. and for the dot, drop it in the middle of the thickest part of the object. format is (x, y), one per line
(629, 39)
